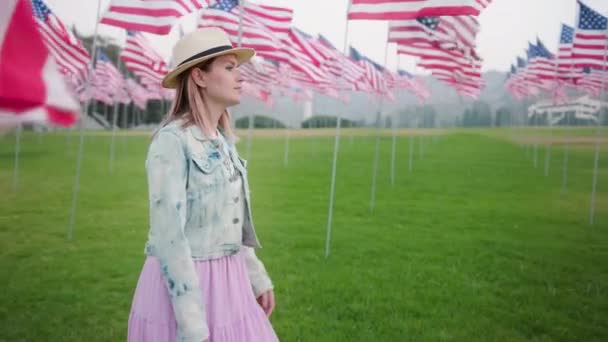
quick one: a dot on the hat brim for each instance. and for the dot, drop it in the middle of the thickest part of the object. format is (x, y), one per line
(171, 80)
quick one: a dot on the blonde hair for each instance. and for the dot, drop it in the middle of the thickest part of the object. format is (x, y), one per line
(190, 106)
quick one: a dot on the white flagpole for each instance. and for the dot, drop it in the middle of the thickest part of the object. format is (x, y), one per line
(394, 129)
(81, 124)
(114, 115)
(18, 132)
(598, 132)
(524, 127)
(411, 154)
(567, 146)
(239, 44)
(535, 143)
(372, 201)
(566, 150)
(336, 149)
(312, 126)
(550, 123)
(394, 123)
(287, 136)
(421, 138)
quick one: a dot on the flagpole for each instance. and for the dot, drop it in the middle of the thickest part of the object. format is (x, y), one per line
(336, 150)
(372, 201)
(18, 132)
(312, 126)
(81, 124)
(421, 137)
(239, 44)
(535, 160)
(567, 146)
(550, 123)
(412, 138)
(598, 132)
(287, 134)
(411, 154)
(394, 144)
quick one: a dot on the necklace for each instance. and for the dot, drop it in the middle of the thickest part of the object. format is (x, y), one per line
(228, 165)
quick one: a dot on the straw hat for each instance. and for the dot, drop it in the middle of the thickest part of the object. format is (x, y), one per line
(199, 46)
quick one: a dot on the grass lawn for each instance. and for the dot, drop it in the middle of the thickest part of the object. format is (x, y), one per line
(474, 244)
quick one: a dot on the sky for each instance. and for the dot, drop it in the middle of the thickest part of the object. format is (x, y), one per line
(506, 27)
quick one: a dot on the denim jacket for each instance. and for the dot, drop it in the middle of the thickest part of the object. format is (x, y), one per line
(189, 219)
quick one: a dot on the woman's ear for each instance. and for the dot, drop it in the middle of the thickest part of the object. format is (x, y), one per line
(198, 77)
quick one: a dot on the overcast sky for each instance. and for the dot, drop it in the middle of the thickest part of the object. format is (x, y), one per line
(506, 27)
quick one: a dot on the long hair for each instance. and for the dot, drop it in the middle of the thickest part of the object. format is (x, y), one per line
(190, 106)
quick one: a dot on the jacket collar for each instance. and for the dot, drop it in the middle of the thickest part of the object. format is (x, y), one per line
(198, 134)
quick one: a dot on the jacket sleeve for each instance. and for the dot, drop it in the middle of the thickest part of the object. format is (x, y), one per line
(260, 281)
(166, 168)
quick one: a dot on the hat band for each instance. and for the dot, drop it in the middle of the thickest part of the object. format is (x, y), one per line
(207, 52)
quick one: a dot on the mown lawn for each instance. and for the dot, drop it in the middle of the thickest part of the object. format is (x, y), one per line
(474, 244)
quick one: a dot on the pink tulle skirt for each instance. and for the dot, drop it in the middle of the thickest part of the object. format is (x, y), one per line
(233, 314)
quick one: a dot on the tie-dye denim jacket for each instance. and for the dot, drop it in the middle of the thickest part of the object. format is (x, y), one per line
(189, 219)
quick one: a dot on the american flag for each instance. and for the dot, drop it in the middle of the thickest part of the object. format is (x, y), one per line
(154, 16)
(277, 19)
(306, 44)
(519, 83)
(406, 81)
(449, 33)
(107, 80)
(259, 92)
(410, 9)
(373, 76)
(338, 65)
(450, 66)
(68, 51)
(270, 42)
(253, 36)
(31, 88)
(413, 32)
(483, 3)
(565, 63)
(559, 94)
(589, 47)
(541, 64)
(440, 51)
(260, 76)
(141, 58)
(593, 80)
(137, 93)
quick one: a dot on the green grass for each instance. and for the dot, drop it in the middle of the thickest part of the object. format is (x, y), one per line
(473, 244)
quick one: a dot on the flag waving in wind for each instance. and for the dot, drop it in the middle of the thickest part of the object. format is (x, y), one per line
(31, 88)
(410, 9)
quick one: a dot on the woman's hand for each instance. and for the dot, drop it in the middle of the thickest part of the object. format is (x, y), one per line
(266, 301)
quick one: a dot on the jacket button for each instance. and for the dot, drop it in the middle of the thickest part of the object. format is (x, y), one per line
(235, 221)
(236, 199)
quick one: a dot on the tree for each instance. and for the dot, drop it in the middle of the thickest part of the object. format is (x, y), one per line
(429, 116)
(479, 115)
(324, 121)
(259, 121)
(504, 117)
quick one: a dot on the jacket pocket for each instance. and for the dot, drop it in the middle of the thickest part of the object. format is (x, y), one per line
(204, 174)
(205, 164)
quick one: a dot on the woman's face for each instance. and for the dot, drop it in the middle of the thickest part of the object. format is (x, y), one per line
(222, 81)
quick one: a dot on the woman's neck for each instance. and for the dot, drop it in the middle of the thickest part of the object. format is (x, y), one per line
(215, 111)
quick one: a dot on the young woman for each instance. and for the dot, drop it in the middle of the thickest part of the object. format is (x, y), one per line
(201, 280)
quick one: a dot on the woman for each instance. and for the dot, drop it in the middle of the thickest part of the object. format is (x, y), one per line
(201, 280)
